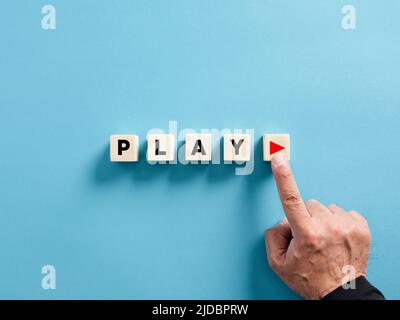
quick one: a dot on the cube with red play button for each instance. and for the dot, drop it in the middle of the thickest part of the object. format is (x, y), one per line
(274, 144)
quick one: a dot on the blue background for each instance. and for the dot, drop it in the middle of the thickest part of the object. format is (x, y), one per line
(140, 231)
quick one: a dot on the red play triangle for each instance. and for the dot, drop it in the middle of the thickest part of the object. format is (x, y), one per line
(274, 147)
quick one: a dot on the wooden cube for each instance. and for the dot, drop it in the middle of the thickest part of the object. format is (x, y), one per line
(198, 147)
(161, 147)
(237, 147)
(274, 144)
(124, 148)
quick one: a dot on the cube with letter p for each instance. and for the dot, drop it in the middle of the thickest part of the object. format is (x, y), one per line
(124, 148)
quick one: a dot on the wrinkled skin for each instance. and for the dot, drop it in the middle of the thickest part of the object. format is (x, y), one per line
(312, 247)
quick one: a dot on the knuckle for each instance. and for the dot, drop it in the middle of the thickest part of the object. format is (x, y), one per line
(336, 231)
(332, 206)
(364, 220)
(292, 199)
(312, 240)
(349, 230)
(269, 233)
(298, 254)
(313, 204)
(360, 217)
(361, 233)
(366, 236)
(312, 201)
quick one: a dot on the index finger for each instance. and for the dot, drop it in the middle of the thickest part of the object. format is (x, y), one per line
(292, 202)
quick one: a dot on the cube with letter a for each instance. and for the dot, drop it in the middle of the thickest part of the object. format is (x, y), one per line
(198, 147)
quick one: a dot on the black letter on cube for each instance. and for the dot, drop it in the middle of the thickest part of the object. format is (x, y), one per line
(123, 145)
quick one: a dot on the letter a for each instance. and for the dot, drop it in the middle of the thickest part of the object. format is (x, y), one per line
(198, 148)
(49, 20)
(349, 20)
(49, 280)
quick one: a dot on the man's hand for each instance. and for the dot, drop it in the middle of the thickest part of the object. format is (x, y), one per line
(310, 247)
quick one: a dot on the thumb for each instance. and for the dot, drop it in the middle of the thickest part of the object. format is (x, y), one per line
(277, 240)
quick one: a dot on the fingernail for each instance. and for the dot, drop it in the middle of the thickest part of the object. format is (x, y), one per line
(278, 160)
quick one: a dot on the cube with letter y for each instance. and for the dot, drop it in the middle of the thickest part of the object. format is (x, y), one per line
(124, 148)
(237, 147)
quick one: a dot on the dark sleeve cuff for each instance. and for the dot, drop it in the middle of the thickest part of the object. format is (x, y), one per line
(363, 291)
